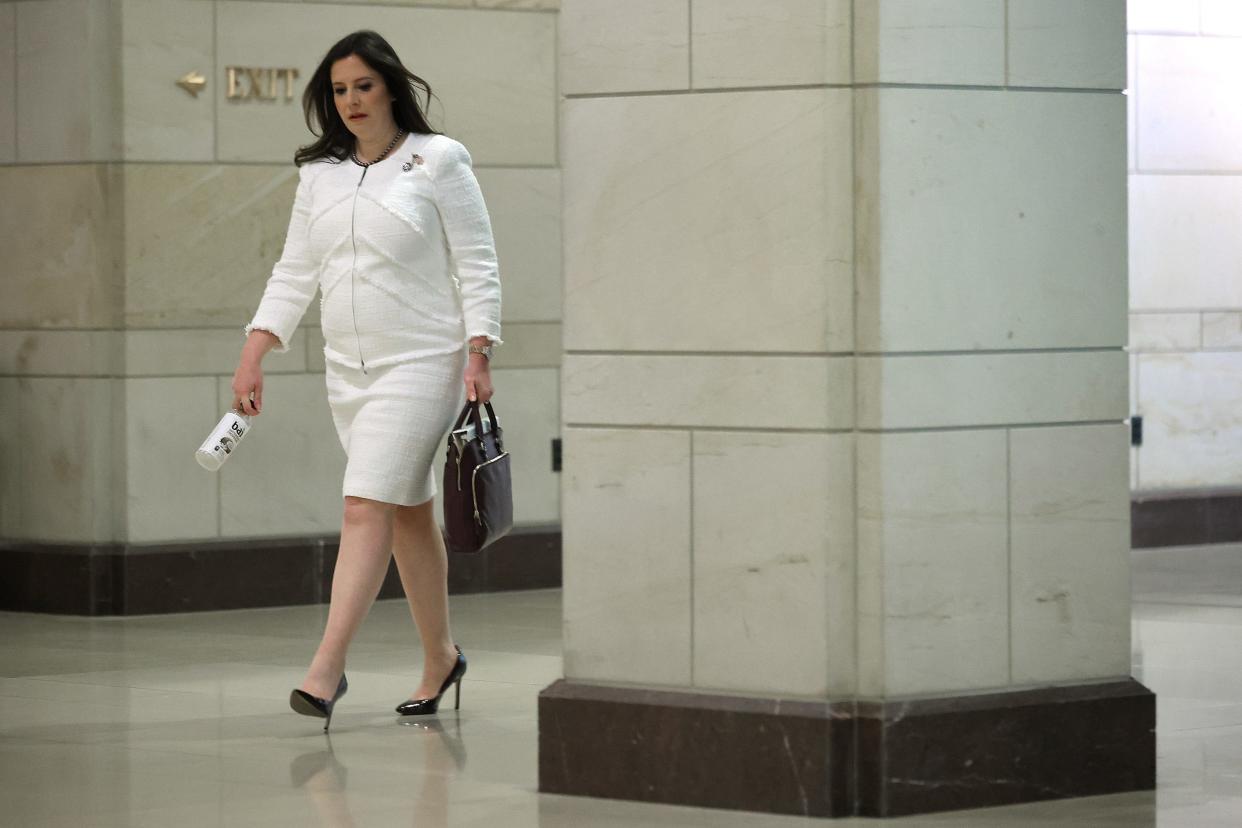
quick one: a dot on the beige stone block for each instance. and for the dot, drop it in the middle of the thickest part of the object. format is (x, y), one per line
(1184, 242)
(501, 102)
(933, 608)
(1070, 553)
(1067, 43)
(439, 3)
(529, 345)
(1131, 102)
(704, 240)
(8, 86)
(1222, 330)
(68, 87)
(201, 241)
(1192, 419)
(169, 496)
(977, 231)
(1165, 331)
(531, 5)
(286, 478)
(66, 456)
(991, 389)
(773, 563)
(525, 208)
(764, 392)
(930, 41)
(61, 239)
(639, 45)
(1189, 117)
(528, 404)
(61, 353)
(464, 4)
(163, 40)
(626, 561)
(197, 351)
(1161, 16)
(315, 361)
(769, 42)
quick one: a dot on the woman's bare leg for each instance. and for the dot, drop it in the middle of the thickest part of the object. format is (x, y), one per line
(361, 563)
(422, 561)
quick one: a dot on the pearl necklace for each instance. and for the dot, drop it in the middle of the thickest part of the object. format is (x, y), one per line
(382, 155)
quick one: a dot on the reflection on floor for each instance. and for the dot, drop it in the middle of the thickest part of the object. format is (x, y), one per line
(182, 720)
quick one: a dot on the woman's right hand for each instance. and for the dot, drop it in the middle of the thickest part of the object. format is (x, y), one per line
(248, 378)
(248, 387)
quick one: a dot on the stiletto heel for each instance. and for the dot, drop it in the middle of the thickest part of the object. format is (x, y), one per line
(424, 707)
(308, 705)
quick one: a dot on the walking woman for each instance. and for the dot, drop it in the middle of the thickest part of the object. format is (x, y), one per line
(389, 224)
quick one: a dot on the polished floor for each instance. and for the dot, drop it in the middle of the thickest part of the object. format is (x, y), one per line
(183, 720)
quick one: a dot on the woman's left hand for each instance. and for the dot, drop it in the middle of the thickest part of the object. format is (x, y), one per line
(478, 378)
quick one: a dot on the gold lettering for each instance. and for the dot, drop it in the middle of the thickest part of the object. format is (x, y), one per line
(234, 90)
(260, 83)
(289, 74)
(255, 76)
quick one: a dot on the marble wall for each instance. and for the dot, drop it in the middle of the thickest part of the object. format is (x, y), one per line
(141, 224)
(845, 318)
(1185, 130)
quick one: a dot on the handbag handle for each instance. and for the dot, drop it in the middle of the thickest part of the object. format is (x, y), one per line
(471, 409)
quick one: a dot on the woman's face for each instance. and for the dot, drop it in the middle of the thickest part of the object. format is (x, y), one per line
(362, 100)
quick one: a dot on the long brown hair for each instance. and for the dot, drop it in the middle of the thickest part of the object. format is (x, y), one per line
(335, 140)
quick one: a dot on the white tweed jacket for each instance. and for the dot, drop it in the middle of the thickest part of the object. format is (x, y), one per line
(401, 252)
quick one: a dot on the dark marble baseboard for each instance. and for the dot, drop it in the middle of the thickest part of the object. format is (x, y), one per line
(1185, 518)
(120, 579)
(837, 759)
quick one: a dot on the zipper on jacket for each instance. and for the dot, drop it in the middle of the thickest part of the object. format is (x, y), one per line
(353, 299)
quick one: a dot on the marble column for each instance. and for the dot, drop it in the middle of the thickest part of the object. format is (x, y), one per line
(846, 498)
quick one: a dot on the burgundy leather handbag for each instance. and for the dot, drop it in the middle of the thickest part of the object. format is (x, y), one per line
(478, 486)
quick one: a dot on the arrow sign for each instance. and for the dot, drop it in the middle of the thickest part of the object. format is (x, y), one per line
(192, 82)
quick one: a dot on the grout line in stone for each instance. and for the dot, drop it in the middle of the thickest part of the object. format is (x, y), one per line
(854, 441)
(16, 114)
(406, 6)
(220, 407)
(1136, 452)
(989, 426)
(215, 70)
(725, 429)
(1009, 548)
(838, 354)
(645, 93)
(691, 579)
(227, 163)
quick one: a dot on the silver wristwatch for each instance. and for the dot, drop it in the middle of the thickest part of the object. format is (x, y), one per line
(485, 350)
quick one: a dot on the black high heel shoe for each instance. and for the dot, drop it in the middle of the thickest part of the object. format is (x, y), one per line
(425, 707)
(308, 705)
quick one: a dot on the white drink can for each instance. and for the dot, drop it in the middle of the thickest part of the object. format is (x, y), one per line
(222, 440)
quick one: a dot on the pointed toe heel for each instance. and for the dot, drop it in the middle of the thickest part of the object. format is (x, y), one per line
(425, 707)
(308, 705)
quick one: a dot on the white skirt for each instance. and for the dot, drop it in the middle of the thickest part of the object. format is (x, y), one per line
(391, 421)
